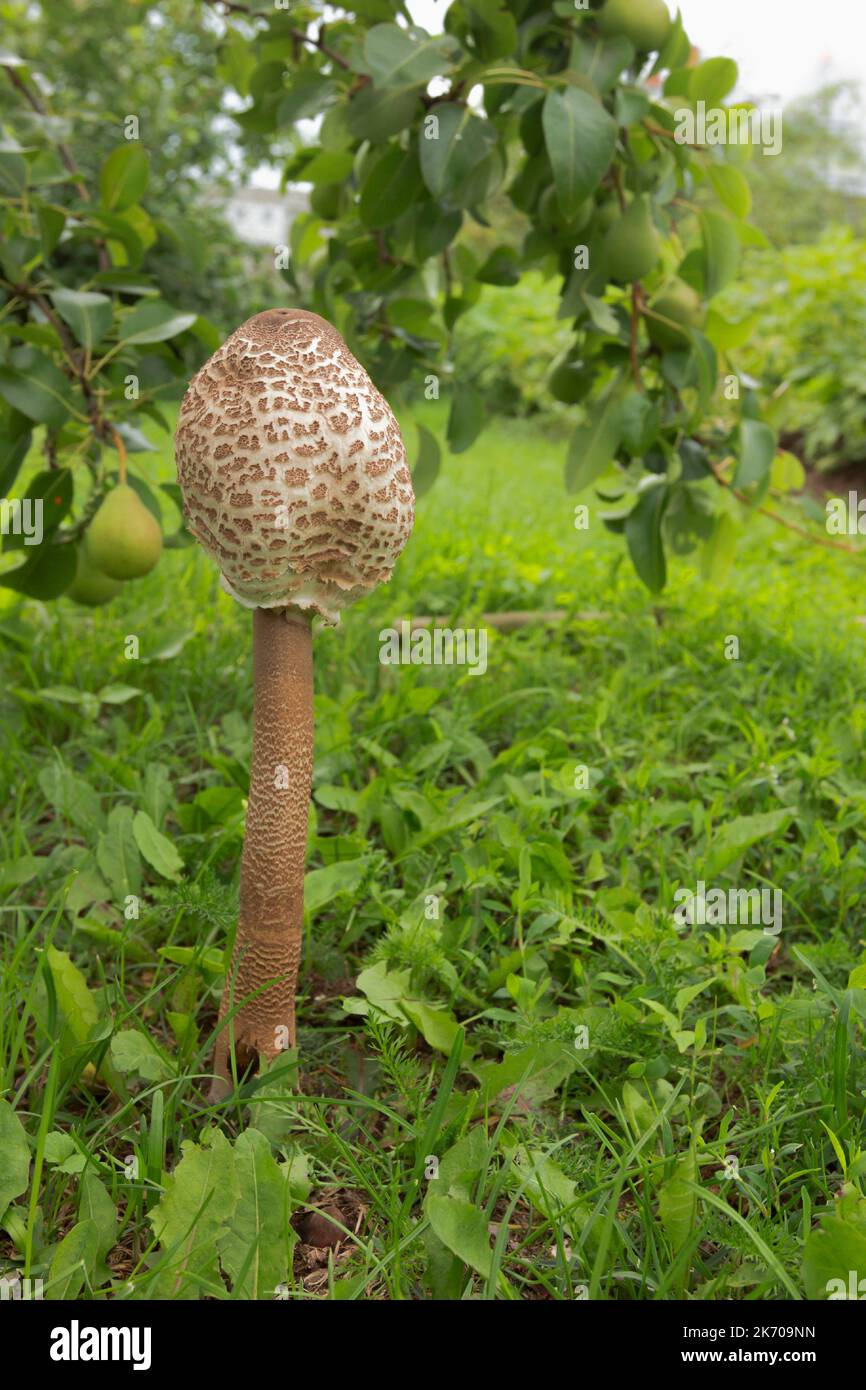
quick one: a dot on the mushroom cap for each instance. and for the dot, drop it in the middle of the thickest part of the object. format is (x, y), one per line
(292, 467)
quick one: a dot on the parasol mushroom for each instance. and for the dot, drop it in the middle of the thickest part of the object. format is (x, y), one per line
(294, 479)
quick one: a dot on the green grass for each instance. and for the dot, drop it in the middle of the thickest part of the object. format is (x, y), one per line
(580, 1067)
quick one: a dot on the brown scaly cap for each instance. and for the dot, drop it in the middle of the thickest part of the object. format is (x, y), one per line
(292, 467)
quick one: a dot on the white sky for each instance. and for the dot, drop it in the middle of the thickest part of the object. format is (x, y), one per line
(784, 48)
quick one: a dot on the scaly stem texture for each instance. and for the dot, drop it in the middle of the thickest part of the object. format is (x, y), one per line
(268, 944)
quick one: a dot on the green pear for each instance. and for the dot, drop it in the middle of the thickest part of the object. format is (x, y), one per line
(90, 586)
(124, 539)
(645, 22)
(632, 246)
(677, 301)
(606, 214)
(569, 380)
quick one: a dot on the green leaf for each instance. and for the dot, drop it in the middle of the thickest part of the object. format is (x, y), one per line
(593, 446)
(14, 1156)
(39, 390)
(88, 314)
(757, 450)
(731, 188)
(153, 321)
(62, 1152)
(260, 1221)
(74, 998)
(493, 27)
(52, 223)
(457, 155)
(13, 174)
(738, 835)
(123, 177)
(834, 1250)
(74, 1262)
(787, 473)
(50, 495)
(712, 80)
(427, 464)
(198, 1202)
(96, 1205)
(156, 848)
(580, 138)
(70, 797)
(390, 187)
(321, 886)
(465, 418)
(402, 58)
(132, 1051)
(643, 532)
(721, 252)
(678, 1202)
(46, 575)
(719, 551)
(462, 1227)
(376, 115)
(117, 855)
(437, 1027)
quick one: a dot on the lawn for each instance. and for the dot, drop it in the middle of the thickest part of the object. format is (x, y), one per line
(518, 1074)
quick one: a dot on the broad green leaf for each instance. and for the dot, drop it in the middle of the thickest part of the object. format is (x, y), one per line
(74, 998)
(74, 1262)
(437, 1027)
(456, 155)
(643, 532)
(196, 1208)
(580, 138)
(123, 177)
(493, 28)
(721, 252)
(46, 575)
(14, 1156)
(719, 551)
(70, 797)
(461, 1165)
(156, 848)
(44, 505)
(385, 989)
(678, 1202)
(62, 1152)
(321, 886)
(734, 838)
(88, 314)
(427, 464)
(757, 450)
(787, 473)
(96, 1205)
(132, 1051)
(836, 1248)
(712, 80)
(402, 58)
(390, 187)
(117, 855)
(375, 115)
(593, 446)
(13, 174)
(259, 1223)
(39, 390)
(462, 1227)
(153, 321)
(465, 418)
(732, 188)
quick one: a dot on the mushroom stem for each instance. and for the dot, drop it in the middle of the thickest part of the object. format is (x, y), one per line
(267, 948)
